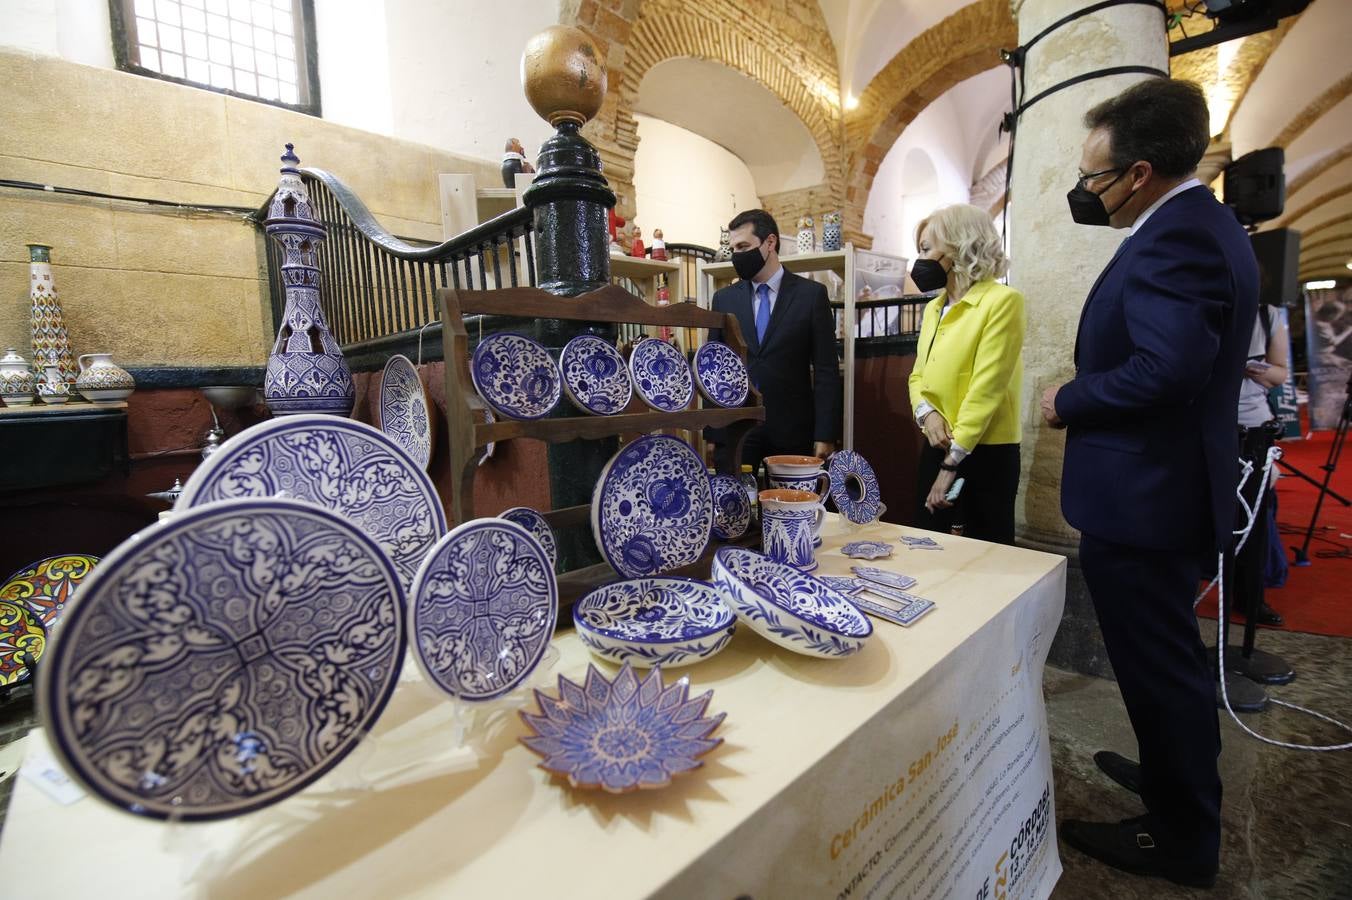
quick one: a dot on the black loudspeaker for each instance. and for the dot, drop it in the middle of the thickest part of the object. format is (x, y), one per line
(1255, 185)
(1278, 253)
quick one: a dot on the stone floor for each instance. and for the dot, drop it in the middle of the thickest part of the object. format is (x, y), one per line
(1287, 817)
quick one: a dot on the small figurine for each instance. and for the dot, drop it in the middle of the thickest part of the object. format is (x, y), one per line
(616, 224)
(514, 161)
(636, 243)
(724, 252)
(659, 248)
(831, 232)
(664, 332)
(807, 235)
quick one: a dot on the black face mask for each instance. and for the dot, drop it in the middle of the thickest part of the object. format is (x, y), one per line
(928, 275)
(1086, 207)
(747, 263)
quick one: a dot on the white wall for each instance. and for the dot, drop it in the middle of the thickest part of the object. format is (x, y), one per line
(76, 30)
(687, 185)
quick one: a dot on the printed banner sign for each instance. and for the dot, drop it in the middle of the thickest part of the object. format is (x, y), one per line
(1328, 330)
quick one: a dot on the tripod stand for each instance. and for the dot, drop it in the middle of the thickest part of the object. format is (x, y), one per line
(1335, 450)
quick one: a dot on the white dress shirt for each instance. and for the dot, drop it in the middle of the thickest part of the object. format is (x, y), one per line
(1150, 210)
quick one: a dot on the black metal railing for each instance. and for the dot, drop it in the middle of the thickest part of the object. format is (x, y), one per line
(880, 319)
(375, 284)
(688, 255)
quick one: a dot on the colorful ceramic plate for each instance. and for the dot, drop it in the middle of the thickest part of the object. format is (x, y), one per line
(652, 510)
(516, 376)
(655, 621)
(341, 464)
(483, 609)
(621, 735)
(854, 487)
(532, 521)
(22, 640)
(732, 507)
(721, 374)
(223, 659)
(594, 376)
(46, 586)
(404, 411)
(661, 375)
(867, 550)
(788, 607)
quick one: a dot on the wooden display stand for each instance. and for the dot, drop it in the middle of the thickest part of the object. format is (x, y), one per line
(613, 305)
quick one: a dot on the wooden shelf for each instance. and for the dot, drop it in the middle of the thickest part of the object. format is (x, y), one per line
(69, 408)
(592, 427)
(833, 261)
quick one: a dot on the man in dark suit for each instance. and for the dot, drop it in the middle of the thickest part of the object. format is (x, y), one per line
(1151, 458)
(791, 347)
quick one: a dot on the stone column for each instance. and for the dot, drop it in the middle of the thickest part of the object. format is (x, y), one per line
(1055, 262)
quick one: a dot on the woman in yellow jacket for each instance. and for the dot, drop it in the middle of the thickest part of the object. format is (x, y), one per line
(967, 377)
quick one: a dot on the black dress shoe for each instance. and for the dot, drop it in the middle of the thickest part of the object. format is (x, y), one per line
(1269, 616)
(1119, 769)
(1130, 847)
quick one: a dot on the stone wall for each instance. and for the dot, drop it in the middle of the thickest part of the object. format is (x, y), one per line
(164, 286)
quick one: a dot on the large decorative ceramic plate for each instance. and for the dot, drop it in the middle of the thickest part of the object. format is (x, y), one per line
(788, 607)
(652, 510)
(223, 659)
(661, 375)
(46, 586)
(404, 413)
(621, 735)
(732, 507)
(343, 465)
(594, 376)
(655, 621)
(516, 376)
(22, 639)
(532, 521)
(854, 487)
(483, 609)
(721, 374)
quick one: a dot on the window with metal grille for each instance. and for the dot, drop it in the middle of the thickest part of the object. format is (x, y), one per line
(257, 49)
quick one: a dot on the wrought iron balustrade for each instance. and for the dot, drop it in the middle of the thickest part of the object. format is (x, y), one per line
(888, 319)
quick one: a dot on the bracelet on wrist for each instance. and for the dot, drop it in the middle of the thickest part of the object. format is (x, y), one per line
(947, 466)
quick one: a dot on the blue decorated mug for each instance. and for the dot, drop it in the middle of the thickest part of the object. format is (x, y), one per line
(791, 521)
(798, 473)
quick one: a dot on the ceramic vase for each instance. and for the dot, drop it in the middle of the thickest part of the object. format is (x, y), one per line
(831, 232)
(306, 370)
(724, 246)
(51, 344)
(103, 381)
(53, 389)
(16, 379)
(807, 235)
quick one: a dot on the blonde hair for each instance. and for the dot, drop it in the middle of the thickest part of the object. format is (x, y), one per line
(966, 235)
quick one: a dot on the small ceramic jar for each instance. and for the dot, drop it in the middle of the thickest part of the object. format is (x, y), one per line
(16, 379)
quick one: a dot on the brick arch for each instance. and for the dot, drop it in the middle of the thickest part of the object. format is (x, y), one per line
(962, 45)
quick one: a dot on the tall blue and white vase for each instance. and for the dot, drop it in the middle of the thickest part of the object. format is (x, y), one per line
(306, 370)
(831, 232)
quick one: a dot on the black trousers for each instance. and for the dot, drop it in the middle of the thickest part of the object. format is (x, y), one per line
(985, 508)
(1144, 603)
(1248, 592)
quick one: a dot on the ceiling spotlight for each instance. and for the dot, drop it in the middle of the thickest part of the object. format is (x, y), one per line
(1320, 285)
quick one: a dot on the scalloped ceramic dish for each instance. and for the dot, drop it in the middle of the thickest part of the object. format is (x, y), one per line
(659, 621)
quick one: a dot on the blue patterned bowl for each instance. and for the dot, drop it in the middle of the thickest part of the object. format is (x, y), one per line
(788, 607)
(665, 622)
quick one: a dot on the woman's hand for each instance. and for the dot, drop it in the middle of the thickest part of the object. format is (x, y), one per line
(936, 430)
(942, 483)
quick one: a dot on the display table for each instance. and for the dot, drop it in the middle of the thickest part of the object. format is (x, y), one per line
(919, 767)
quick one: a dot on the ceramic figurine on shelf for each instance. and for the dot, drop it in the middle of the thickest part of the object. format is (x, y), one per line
(724, 246)
(636, 243)
(659, 248)
(51, 344)
(103, 381)
(16, 379)
(663, 299)
(514, 161)
(831, 232)
(53, 389)
(306, 369)
(807, 236)
(616, 225)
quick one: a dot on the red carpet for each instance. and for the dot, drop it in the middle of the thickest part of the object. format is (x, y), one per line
(1316, 599)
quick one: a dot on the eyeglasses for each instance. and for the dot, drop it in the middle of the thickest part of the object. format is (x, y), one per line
(1092, 175)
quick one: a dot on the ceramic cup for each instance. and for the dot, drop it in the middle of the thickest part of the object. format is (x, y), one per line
(799, 473)
(791, 520)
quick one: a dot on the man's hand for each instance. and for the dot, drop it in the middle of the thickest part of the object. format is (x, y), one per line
(942, 482)
(936, 430)
(1049, 407)
(823, 449)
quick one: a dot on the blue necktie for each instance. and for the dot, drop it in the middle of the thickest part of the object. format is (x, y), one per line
(762, 312)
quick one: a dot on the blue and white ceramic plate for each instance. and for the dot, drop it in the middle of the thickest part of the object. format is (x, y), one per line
(340, 464)
(483, 609)
(661, 375)
(516, 376)
(594, 376)
(532, 521)
(665, 622)
(652, 510)
(223, 659)
(621, 735)
(732, 507)
(854, 487)
(721, 374)
(867, 550)
(788, 607)
(403, 412)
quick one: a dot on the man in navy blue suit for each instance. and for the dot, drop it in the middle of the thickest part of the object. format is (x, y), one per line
(1152, 456)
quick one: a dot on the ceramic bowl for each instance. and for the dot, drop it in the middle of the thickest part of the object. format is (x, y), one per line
(666, 622)
(788, 607)
(106, 395)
